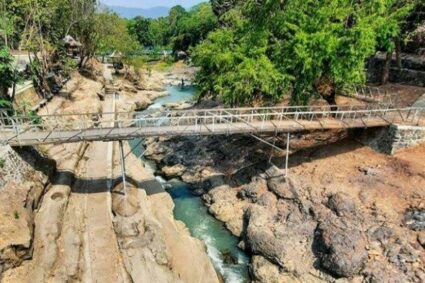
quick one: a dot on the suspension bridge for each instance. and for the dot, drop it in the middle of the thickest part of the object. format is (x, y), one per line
(22, 130)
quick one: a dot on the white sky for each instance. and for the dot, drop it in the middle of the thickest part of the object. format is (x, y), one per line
(152, 3)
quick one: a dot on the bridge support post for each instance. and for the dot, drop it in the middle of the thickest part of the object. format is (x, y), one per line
(123, 172)
(287, 154)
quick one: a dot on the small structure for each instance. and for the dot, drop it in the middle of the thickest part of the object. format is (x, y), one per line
(72, 46)
(181, 55)
(116, 58)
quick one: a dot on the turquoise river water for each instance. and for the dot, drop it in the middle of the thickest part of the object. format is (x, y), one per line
(230, 261)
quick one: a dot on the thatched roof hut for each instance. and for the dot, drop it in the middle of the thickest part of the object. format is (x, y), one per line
(70, 42)
(116, 55)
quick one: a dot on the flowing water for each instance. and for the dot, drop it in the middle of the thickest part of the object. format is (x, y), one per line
(230, 261)
(177, 95)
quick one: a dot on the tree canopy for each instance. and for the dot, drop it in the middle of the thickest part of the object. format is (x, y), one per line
(180, 30)
(6, 72)
(268, 49)
(40, 27)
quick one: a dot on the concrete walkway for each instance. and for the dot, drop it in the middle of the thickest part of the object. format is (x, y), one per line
(103, 258)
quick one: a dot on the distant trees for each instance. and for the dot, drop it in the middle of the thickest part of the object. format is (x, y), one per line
(194, 27)
(268, 49)
(221, 7)
(112, 34)
(180, 30)
(141, 29)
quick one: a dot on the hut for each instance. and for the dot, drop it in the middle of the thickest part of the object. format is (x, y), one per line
(116, 58)
(72, 46)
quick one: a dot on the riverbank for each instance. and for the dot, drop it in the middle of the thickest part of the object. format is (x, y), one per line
(82, 232)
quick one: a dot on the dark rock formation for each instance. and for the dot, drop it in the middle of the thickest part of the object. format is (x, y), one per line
(341, 247)
(415, 219)
(341, 204)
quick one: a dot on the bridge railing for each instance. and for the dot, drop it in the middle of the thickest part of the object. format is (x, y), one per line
(84, 121)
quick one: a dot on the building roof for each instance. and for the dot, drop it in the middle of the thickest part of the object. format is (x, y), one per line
(116, 55)
(71, 42)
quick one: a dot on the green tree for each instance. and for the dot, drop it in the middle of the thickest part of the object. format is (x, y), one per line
(141, 29)
(389, 32)
(7, 71)
(7, 26)
(307, 47)
(194, 27)
(221, 7)
(112, 34)
(175, 15)
(159, 30)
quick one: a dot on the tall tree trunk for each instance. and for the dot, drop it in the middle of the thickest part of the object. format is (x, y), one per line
(398, 52)
(13, 91)
(387, 67)
(331, 99)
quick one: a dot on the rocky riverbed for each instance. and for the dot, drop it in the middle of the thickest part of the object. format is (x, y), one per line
(346, 213)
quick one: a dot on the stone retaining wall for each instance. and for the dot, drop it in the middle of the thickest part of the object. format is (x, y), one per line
(406, 136)
(393, 138)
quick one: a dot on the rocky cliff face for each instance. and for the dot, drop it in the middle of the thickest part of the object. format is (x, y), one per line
(19, 198)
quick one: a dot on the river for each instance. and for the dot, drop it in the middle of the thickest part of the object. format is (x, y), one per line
(230, 261)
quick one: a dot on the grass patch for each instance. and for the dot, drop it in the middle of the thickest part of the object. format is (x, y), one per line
(16, 215)
(2, 163)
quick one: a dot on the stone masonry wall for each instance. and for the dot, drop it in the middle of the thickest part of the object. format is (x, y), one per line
(393, 138)
(406, 136)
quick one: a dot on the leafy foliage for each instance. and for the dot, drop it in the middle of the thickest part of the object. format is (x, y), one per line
(141, 28)
(7, 73)
(112, 34)
(180, 30)
(271, 48)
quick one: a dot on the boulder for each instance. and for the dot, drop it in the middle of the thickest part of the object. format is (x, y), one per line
(259, 236)
(173, 171)
(267, 200)
(283, 187)
(263, 270)
(341, 247)
(381, 234)
(250, 192)
(341, 204)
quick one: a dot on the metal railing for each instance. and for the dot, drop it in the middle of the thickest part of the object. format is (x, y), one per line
(18, 124)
